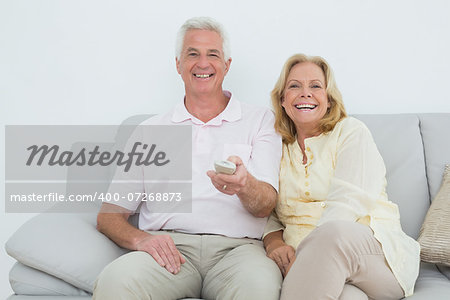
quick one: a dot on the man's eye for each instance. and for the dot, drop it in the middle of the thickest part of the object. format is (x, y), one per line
(214, 55)
(192, 54)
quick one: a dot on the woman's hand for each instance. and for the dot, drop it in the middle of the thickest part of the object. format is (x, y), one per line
(280, 252)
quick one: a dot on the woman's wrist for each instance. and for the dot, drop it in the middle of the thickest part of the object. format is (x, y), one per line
(273, 241)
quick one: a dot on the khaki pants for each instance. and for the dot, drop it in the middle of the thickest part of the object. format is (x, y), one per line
(340, 260)
(216, 267)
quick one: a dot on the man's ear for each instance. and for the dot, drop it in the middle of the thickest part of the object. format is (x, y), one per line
(177, 63)
(227, 65)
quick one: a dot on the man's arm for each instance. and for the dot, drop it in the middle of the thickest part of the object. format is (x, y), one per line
(258, 197)
(112, 221)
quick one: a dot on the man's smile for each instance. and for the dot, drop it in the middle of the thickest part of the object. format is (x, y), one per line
(203, 75)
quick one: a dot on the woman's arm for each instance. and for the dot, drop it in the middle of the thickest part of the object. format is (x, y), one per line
(280, 252)
(359, 176)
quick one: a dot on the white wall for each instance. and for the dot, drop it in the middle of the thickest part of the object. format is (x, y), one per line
(98, 62)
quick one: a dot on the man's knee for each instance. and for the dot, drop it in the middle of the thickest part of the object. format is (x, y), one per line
(244, 273)
(255, 283)
(136, 275)
(119, 277)
(259, 277)
(261, 283)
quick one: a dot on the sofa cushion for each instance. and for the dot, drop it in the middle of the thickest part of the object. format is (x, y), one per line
(28, 297)
(444, 270)
(399, 141)
(66, 246)
(430, 284)
(434, 236)
(436, 144)
(28, 281)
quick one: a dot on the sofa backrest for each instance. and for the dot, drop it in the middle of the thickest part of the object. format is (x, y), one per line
(436, 141)
(399, 141)
(415, 149)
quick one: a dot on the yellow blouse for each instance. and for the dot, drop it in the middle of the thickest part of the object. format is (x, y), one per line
(344, 179)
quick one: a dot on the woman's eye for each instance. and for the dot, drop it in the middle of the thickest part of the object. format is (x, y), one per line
(293, 86)
(316, 86)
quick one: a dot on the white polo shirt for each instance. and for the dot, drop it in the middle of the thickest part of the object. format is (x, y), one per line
(241, 129)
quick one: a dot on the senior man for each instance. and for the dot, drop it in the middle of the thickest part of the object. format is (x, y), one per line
(214, 252)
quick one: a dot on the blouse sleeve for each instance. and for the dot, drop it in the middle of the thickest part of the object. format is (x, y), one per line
(359, 178)
(273, 224)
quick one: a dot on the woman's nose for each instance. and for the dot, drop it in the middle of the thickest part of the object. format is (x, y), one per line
(305, 93)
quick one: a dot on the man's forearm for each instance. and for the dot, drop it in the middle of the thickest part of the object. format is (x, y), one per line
(116, 227)
(258, 197)
(112, 221)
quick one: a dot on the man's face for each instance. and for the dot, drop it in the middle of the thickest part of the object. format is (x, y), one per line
(201, 64)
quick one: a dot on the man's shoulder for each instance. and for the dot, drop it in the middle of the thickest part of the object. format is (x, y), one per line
(160, 119)
(250, 109)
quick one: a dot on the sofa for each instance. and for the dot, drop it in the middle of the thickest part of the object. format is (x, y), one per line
(59, 255)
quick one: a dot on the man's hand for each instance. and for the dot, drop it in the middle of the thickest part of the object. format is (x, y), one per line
(112, 221)
(230, 184)
(258, 197)
(163, 250)
(280, 252)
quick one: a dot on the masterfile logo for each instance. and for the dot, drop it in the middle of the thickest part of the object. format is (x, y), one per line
(74, 168)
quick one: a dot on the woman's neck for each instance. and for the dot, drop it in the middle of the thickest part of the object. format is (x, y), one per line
(302, 135)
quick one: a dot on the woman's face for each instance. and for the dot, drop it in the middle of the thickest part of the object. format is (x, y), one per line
(305, 98)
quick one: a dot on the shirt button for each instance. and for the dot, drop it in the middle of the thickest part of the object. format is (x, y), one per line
(311, 157)
(308, 149)
(307, 193)
(307, 175)
(306, 183)
(323, 204)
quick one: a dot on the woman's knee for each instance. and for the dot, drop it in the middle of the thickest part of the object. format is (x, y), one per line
(351, 292)
(330, 233)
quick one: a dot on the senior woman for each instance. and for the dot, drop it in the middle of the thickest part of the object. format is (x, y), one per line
(332, 206)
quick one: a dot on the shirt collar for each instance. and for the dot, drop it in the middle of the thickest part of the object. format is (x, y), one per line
(231, 113)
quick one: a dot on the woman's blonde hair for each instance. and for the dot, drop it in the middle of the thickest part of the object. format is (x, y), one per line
(336, 112)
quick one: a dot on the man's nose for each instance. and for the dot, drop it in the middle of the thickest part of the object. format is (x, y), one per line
(203, 61)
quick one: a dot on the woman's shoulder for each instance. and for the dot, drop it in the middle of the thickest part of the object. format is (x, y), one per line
(349, 125)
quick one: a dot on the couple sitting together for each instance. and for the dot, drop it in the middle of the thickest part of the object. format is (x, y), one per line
(307, 201)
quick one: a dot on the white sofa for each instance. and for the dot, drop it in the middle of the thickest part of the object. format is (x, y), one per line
(60, 255)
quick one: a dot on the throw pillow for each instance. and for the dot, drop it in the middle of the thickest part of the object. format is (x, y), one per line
(434, 236)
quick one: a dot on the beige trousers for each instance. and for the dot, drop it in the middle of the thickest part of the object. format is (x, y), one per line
(216, 267)
(340, 260)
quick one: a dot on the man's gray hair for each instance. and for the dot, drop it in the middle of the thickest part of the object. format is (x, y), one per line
(204, 23)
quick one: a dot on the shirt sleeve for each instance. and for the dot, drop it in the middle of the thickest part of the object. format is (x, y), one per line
(266, 152)
(127, 181)
(359, 178)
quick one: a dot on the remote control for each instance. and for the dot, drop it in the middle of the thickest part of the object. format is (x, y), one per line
(225, 167)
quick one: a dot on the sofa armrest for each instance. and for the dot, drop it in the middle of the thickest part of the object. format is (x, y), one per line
(67, 246)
